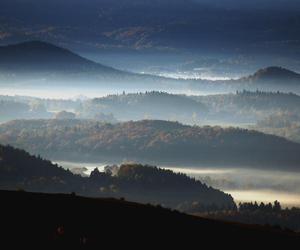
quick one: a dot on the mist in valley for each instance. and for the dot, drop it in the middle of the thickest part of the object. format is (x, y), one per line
(150, 112)
(245, 185)
(202, 96)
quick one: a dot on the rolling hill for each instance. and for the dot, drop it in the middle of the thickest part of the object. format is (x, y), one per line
(247, 107)
(150, 105)
(37, 56)
(154, 142)
(242, 108)
(270, 79)
(274, 75)
(43, 65)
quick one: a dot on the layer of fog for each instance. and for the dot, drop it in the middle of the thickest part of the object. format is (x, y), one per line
(191, 65)
(81, 168)
(286, 199)
(247, 185)
(242, 184)
(59, 93)
(83, 93)
(193, 75)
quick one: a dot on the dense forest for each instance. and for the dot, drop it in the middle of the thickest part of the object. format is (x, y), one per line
(145, 184)
(155, 142)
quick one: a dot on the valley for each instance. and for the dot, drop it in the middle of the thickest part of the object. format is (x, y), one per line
(143, 119)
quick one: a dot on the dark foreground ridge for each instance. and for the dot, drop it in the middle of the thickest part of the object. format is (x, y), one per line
(58, 220)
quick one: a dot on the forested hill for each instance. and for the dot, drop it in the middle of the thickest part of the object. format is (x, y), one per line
(146, 184)
(247, 106)
(245, 101)
(150, 105)
(273, 75)
(80, 222)
(155, 142)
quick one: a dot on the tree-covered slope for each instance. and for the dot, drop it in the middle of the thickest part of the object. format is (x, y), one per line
(156, 142)
(146, 184)
(150, 105)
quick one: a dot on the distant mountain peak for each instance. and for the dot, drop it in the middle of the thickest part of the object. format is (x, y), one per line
(34, 43)
(275, 74)
(275, 71)
(36, 55)
(36, 49)
(35, 46)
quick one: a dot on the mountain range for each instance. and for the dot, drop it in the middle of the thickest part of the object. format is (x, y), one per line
(42, 64)
(220, 37)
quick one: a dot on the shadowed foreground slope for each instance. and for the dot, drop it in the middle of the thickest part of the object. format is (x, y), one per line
(69, 220)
